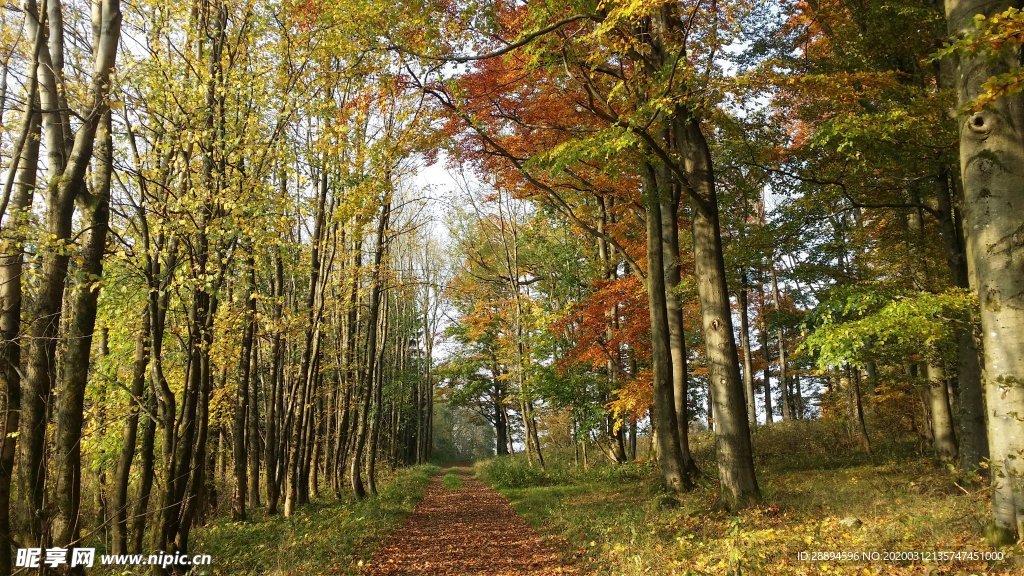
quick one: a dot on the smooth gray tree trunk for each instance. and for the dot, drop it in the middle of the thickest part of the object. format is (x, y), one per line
(992, 167)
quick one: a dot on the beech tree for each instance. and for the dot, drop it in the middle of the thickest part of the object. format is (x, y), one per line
(991, 154)
(225, 283)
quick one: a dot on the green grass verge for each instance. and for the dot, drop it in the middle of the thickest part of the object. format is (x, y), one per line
(452, 481)
(326, 537)
(616, 519)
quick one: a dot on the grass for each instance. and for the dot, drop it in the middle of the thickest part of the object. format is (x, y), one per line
(326, 537)
(452, 481)
(616, 520)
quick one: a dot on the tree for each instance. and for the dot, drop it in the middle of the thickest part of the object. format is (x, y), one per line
(991, 152)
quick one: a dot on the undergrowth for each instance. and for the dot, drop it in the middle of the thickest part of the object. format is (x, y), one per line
(616, 519)
(327, 536)
(452, 481)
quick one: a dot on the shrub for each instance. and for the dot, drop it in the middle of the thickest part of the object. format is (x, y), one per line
(511, 472)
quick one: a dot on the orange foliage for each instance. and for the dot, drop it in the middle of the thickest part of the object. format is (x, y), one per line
(596, 341)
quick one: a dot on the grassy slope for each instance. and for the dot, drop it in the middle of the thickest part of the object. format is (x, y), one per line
(325, 537)
(614, 520)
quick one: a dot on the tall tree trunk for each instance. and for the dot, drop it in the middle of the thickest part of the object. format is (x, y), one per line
(787, 407)
(69, 156)
(769, 416)
(992, 166)
(71, 396)
(242, 400)
(666, 432)
(275, 403)
(970, 397)
(732, 430)
(971, 401)
(146, 474)
(21, 179)
(676, 333)
(294, 493)
(377, 407)
(252, 420)
(362, 429)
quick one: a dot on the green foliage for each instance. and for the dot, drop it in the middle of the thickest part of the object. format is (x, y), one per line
(999, 36)
(511, 472)
(859, 324)
(561, 469)
(600, 147)
(460, 435)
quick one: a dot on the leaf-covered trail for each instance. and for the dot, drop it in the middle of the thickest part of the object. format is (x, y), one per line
(469, 530)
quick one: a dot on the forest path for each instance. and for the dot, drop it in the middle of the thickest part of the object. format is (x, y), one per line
(468, 530)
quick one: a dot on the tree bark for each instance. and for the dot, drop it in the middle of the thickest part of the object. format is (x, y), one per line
(666, 434)
(122, 474)
(71, 397)
(360, 447)
(294, 493)
(769, 416)
(69, 156)
(676, 332)
(146, 474)
(275, 403)
(748, 362)
(850, 380)
(787, 408)
(242, 400)
(943, 436)
(992, 167)
(732, 430)
(971, 401)
(21, 177)
(252, 419)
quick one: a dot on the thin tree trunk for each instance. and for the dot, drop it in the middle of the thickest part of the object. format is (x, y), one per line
(276, 394)
(377, 408)
(787, 408)
(769, 416)
(242, 399)
(252, 435)
(294, 493)
(748, 363)
(146, 474)
(360, 447)
(971, 402)
(69, 157)
(943, 436)
(850, 380)
(71, 397)
(676, 333)
(122, 474)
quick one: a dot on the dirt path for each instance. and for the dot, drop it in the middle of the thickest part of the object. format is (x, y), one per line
(472, 530)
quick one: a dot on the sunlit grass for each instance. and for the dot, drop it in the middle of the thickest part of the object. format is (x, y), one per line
(326, 537)
(452, 481)
(612, 520)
